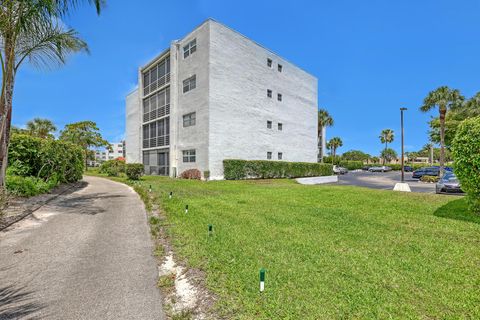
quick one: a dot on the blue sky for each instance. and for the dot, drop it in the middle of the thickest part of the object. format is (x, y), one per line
(370, 58)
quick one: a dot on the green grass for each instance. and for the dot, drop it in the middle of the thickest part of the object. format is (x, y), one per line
(331, 252)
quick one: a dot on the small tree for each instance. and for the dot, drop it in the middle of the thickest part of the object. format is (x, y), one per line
(85, 134)
(388, 155)
(324, 120)
(333, 145)
(355, 155)
(42, 128)
(466, 154)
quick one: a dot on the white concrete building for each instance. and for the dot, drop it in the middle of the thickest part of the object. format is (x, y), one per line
(117, 149)
(215, 95)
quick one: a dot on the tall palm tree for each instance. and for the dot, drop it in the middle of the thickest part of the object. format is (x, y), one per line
(31, 30)
(333, 144)
(444, 99)
(386, 136)
(42, 128)
(324, 121)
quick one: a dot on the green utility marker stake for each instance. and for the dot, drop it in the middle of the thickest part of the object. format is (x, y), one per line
(186, 208)
(262, 279)
(170, 195)
(210, 229)
(150, 188)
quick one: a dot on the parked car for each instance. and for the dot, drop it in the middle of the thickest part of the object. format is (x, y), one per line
(408, 169)
(339, 170)
(426, 171)
(448, 184)
(365, 168)
(379, 169)
(450, 169)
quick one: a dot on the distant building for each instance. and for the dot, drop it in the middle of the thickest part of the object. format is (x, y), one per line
(215, 95)
(104, 154)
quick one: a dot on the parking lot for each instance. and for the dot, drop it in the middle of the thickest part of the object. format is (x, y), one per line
(384, 180)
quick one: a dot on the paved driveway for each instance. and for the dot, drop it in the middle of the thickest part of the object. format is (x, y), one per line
(86, 255)
(384, 180)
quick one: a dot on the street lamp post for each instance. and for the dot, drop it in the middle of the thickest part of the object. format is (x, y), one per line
(403, 158)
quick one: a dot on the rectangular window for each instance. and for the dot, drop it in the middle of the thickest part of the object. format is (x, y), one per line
(157, 133)
(269, 124)
(280, 126)
(157, 76)
(269, 93)
(189, 84)
(280, 67)
(280, 156)
(189, 155)
(189, 119)
(157, 105)
(269, 62)
(279, 97)
(269, 155)
(190, 48)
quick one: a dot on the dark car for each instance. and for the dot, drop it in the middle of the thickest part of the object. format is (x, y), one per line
(427, 171)
(448, 184)
(408, 169)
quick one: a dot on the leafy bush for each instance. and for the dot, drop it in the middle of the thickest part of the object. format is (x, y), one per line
(134, 170)
(351, 165)
(466, 154)
(45, 158)
(263, 169)
(191, 174)
(113, 168)
(206, 175)
(429, 179)
(29, 186)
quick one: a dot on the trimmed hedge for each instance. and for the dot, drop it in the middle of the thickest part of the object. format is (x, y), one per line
(234, 169)
(44, 158)
(466, 153)
(350, 164)
(134, 170)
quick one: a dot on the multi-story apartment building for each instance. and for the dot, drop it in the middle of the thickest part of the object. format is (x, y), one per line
(216, 95)
(117, 150)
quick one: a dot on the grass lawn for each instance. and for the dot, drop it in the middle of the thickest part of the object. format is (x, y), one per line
(330, 251)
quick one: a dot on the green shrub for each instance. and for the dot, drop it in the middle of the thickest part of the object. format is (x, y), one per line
(250, 169)
(429, 179)
(44, 158)
(466, 154)
(134, 170)
(29, 186)
(350, 164)
(113, 168)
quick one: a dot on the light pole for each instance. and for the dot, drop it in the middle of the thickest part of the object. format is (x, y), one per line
(403, 159)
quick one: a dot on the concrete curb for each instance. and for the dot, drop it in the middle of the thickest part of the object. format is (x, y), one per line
(317, 180)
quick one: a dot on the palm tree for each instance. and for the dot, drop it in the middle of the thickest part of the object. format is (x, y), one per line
(444, 99)
(42, 128)
(324, 121)
(31, 30)
(333, 145)
(386, 137)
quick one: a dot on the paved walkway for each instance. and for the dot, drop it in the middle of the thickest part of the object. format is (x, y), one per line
(85, 255)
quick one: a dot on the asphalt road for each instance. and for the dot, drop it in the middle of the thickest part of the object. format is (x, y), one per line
(86, 255)
(384, 180)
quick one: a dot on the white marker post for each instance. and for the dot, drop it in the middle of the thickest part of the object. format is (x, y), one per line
(170, 195)
(262, 280)
(210, 230)
(150, 189)
(186, 208)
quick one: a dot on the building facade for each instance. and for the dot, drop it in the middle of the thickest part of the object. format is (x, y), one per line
(216, 95)
(117, 150)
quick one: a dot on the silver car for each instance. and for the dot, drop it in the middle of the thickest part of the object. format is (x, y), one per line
(379, 169)
(339, 170)
(448, 184)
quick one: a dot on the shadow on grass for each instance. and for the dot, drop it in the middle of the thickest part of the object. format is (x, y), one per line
(457, 210)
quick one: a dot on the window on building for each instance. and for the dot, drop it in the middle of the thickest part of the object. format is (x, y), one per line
(280, 156)
(189, 119)
(269, 93)
(156, 76)
(279, 97)
(269, 124)
(280, 126)
(190, 48)
(157, 105)
(189, 155)
(280, 67)
(157, 133)
(269, 155)
(189, 84)
(269, 62)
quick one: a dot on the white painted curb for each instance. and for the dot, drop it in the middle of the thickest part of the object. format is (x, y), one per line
(402, 187)
(317, 180)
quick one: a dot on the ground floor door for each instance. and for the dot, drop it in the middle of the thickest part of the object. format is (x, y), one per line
(157, 162)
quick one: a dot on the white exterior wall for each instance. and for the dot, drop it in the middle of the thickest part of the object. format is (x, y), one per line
(133, 128)
(196, 100)
(240, 108)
